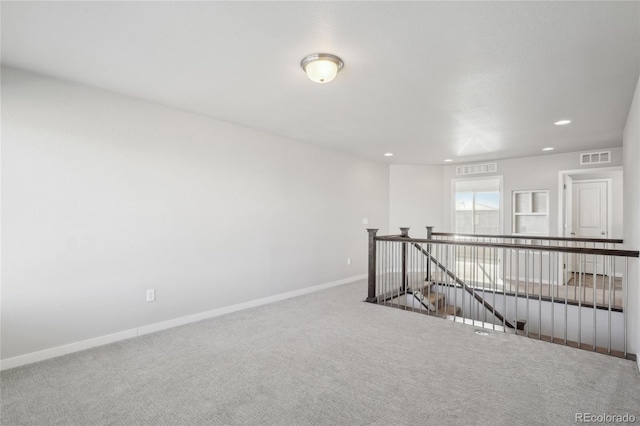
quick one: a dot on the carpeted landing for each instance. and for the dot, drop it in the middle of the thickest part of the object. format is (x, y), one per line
(321, 359)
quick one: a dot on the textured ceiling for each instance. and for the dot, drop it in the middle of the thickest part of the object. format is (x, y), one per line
(425, 80)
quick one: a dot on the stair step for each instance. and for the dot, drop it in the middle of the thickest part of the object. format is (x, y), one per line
(436, 299)
(449, 310)
(431, 298)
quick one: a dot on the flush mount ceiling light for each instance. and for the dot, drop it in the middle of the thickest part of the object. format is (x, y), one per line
(549, 148)
(388, 154)
(562, 122)
(448, 160)
(321, 67)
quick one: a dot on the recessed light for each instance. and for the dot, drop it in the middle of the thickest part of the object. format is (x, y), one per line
(388, 154)
(562, 122)
(448, 160)
(549, 148)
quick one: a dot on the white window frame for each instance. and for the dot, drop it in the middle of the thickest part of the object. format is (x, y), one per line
(476, 178)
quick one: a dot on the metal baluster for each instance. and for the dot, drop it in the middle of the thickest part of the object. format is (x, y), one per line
(553, 304)
(432, 249)
(595, 283)
(539, 298)
(581, 260)
(504, 290)
(428, 276)
(400, 272)
(378, 269)
(395, 273)
(625, 296)
(382, 272)
(495, 286)
(425, 268)
(383, 258)
(464, 274)
(428, 303)
(604, 273)
(456, 269)
(418, 272)
(385, 268)
(526, 286)
(566, 291)
(614, 282)
(388, 268)
(442, 250)
(445, 278)
(484, 310)
(517, 253)
(577, 278)
(383, 280)
(612, 261)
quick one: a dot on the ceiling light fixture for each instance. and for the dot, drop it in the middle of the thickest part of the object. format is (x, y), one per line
(549, 148)
(321, 67)
(448, 160)
(562, 122)
(388, 154)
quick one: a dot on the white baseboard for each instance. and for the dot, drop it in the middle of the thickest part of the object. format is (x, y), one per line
(45, 354)
(32, 357)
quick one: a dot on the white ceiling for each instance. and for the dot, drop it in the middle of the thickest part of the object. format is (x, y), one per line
(425, 80)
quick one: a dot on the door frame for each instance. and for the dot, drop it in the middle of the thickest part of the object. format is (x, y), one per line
(565, 203)
(564, 208)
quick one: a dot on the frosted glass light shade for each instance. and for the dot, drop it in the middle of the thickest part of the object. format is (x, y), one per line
(321, 67)
(322, 71)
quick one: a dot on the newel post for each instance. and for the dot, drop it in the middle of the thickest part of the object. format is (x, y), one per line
(371, 294)
(404, 233)
(429, 236)
(429, 231)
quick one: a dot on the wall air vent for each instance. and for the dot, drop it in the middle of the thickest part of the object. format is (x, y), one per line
(474, 169)
(587, 158)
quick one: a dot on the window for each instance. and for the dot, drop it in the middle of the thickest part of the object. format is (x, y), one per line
(477, 206)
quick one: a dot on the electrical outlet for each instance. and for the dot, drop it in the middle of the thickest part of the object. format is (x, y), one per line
(151, 295)
(365, 221)
(348, 261)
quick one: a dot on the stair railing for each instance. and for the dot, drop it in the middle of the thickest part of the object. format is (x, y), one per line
(505, 286)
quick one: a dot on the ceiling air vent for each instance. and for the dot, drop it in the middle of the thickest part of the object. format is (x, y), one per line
(595, 157)
(474, 169)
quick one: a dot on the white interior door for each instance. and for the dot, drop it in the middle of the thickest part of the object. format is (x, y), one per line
(590, 218)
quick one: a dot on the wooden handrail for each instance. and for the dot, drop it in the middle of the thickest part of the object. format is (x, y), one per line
(532, 237)
(578, 250)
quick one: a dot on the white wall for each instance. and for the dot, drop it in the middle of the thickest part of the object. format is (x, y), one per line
(415, 201)
(539, 172)
(415, 196)
(631, 148)
(105, 196)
